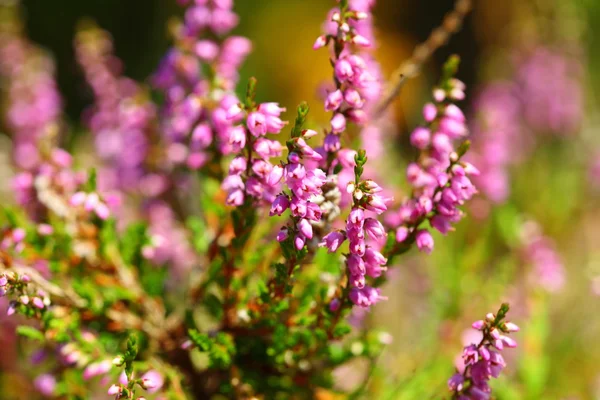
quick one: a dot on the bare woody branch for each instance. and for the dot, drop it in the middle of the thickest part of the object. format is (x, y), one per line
(451, 24)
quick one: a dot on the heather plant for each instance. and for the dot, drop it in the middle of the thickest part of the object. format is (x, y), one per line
(217, 249)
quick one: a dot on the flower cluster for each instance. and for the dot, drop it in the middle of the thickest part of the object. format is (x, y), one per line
(364, 260)
(498, 140)
(353, 79)
(194, 117)
(543, 96)
(440, 180)
(550, 90)
(285, 305)
(540, 252)
(27, 302)
(121, 117)
(304, 182)
(483, 361)
(249, 175)
(34, 103)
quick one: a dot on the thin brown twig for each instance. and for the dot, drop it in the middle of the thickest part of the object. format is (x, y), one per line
(409, 69)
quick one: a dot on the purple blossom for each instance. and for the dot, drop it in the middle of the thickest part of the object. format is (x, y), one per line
(483, 361)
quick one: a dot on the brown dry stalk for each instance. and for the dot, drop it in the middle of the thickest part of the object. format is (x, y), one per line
(409, 69)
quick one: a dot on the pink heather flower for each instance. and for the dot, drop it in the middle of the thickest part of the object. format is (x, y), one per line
(333, 240)
(455, 383)
(299, 242)
(37, 302)
(332, 143)
(282, 234)
(429, 112)
(478, 324)
(45, 384)
(424, 241)
(154, 380)
(442, 224)
(482, 361)
(234, 112)
(420, 138)
(305, 228)
(320, 42)
(374, 228)
(366, 296)
(148, 384)
(511, 327)
(207, 50)
(334, 100)
(343, 70)
(96, 369)
(281, 203)
(334, 305)
(401, 234)
(360, 40)
(353, 98)
(78, 199)
(114, 390)
(45, 229)
(338, 123)
(18, 235)
(257, 124)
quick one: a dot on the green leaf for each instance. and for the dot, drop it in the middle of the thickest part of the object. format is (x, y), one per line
(30, 332)
(201, 340)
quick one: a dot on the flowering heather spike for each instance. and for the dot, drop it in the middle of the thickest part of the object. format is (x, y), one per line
(483, 361)
(303, 182)
(121, 117)
(188, 91)
(364, 260)
(259, 179)
(540, 251)
(440, 180)
(354, 78)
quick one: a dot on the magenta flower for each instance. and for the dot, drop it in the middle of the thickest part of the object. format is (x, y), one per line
(483, 361)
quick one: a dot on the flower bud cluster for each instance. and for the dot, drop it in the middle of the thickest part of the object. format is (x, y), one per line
(439, 179)
(251, 174)
(484, 360)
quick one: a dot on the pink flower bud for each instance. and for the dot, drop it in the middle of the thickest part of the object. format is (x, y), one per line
(305, 228)
(334, 100)
(282, 234)
(478, 324)
(320, 42)
(429, 112)
(420, 138)
(343, 70)
(307, 133)
(234, 111)
(114, 389)
(37, 302)
(257, 124)
(401, 234)
(424, 241)
(510, 327)
(334, 305)
(102, 211)
(299, 242)
(78, 199)
(147, 383)
(338, 123)
(333, 240)
(374, 228)
(360, 40)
